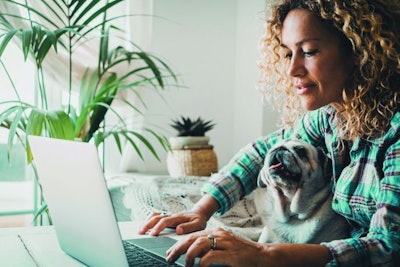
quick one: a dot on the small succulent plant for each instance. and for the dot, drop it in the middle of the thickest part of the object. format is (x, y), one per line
(188, 127)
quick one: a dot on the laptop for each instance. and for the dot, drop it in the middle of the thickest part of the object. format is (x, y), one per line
(80, 205)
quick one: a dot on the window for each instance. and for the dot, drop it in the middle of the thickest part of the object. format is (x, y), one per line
(16, 183)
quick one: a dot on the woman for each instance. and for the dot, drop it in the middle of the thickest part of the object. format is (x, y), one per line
(340, 61)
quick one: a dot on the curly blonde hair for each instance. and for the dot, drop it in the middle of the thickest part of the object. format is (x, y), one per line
(370, 30)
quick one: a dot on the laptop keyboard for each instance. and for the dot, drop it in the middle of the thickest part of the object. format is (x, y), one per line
(139, 257)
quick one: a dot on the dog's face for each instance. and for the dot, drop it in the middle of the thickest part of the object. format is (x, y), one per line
(295, 170)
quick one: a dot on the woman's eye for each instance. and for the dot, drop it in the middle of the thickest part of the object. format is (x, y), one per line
(310, 53)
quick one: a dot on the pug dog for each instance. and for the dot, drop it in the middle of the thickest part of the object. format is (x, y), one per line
(294, 198)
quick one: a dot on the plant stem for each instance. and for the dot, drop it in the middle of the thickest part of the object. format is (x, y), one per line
(103, 54)
(29, 13)
(42, 88)
(69, 63)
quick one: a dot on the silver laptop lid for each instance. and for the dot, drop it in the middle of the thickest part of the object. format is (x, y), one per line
(80, 205)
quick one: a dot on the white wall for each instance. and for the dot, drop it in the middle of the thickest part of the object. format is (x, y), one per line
(213, 45)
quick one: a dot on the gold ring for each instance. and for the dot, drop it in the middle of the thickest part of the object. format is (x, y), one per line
(213, 241)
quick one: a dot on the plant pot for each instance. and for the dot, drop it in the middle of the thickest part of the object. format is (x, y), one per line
(180, 142)
(192, 160)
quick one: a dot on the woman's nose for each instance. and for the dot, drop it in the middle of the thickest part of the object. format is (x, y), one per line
(296, 67)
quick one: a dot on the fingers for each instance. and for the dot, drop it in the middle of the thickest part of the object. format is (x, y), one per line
(204, 244)
(194, 245)
(156, 218)
(185, 222)
(216, 256)
(190, 227)
(201, 247)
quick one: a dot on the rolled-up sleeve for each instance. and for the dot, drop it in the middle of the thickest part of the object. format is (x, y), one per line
(239, 177)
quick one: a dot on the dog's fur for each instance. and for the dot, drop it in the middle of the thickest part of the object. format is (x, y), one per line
(294, 199)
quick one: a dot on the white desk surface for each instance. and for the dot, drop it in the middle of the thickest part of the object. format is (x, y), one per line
(38, 246)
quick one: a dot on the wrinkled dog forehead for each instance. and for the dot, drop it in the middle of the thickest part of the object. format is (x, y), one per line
(297, 146)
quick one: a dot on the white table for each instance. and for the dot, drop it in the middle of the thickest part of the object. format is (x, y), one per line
(38, 246)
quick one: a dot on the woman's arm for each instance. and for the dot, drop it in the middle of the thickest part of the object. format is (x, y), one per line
(224, 189)
(238, 178)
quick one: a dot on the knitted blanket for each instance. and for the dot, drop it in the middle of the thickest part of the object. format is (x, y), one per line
(167, 194)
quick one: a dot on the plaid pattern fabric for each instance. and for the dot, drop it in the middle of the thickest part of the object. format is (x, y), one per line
(239, 177)
(366, 185)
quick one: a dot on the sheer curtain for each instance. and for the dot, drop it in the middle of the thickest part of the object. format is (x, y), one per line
(139, 30)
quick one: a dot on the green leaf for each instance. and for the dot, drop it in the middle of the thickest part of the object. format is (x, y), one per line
(49, 39)
(7, 114)
(103, 51)
(26, 42)
(77, 4)
(52, 123)
(153, 68)
(13, 128)
(145, 142)
(60, 125)
(39, 212)
(29, 9)
(128, 103)
(161, 139)
(6, 38)
(133, 144)
(96, 13)
(118, 142)
(88, 88)
(43, 49)
(35, 122)
(109, 87)
(57, 9)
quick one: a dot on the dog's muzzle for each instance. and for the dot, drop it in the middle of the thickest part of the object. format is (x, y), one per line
(283, 163)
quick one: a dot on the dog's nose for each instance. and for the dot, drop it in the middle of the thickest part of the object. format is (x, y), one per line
(282, 163)
(278, 156)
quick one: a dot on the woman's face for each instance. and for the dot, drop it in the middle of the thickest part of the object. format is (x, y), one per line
(318, 66)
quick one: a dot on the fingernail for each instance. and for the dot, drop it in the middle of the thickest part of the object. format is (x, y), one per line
(168, 259)
(179, 230)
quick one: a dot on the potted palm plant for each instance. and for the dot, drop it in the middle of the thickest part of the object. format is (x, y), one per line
(79, 21)
(191, 154)
(51, 29)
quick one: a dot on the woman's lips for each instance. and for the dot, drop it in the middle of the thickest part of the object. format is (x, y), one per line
(304, 88)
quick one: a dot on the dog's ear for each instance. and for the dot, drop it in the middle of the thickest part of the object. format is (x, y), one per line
(261, 179)
(326, 164)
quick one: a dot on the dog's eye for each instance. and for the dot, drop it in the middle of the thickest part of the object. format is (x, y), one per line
(301, 151)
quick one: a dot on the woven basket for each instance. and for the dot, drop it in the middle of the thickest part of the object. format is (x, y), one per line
(192, 161)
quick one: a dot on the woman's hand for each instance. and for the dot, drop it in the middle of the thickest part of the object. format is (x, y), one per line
(223, 247)
(184, 222)
(216, 246)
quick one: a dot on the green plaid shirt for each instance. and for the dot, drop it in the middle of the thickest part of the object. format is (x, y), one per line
(366, 186)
